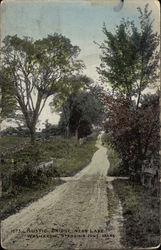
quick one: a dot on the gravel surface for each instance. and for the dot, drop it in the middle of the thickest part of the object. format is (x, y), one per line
(74, 215)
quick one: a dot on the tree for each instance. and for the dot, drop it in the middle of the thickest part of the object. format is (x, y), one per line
(129, 60)
(82, 110)
(74, 84)
(77, 83)
(37, 70)
(134, 135)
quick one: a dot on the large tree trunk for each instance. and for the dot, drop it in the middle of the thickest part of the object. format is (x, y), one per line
(31, 120)
(32, 136)
(34, 119)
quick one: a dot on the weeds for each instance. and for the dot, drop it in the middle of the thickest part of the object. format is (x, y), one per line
(112, 202)
(141, 214)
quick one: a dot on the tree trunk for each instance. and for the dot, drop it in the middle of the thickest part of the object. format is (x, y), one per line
(34, 118)
(32, 136)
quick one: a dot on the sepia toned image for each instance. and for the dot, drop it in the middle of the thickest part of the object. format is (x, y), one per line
(80, 124)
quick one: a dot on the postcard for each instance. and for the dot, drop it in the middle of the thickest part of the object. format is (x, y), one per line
(80, 124)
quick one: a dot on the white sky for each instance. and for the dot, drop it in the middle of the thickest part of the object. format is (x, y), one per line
(80, 21)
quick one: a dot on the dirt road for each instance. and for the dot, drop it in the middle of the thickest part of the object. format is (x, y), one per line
(74, 215)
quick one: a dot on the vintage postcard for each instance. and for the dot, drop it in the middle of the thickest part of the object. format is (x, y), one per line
(80, 124)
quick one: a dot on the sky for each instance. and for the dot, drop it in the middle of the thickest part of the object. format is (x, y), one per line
(79, 20)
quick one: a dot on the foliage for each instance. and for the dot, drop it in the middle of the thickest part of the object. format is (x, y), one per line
(8, 102)
(116, 167)
(81, 110)
(73, 84)
(37, 70)
(134, 134)
(19, 131)
(129, 61)
(130, 56)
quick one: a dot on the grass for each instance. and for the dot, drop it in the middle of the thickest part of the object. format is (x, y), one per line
(22, 184)
(112, 202)
(141, 214)
(11, 141)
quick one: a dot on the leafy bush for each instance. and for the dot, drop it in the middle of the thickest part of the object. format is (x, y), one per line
(133, 132)
(24, 175)
(117, 167)
(19, 131)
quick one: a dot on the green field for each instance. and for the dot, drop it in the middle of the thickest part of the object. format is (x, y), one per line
(23, 184)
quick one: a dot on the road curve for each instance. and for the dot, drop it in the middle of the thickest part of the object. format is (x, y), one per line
(74, 215)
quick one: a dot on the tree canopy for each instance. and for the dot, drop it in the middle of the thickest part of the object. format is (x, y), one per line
(129, 59)
(82, 109)
(37, 70)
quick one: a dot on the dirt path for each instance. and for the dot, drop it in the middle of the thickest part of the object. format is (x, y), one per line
(74, 215)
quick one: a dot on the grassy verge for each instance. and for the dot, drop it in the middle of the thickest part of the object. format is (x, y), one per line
(112, 202)
(141, 214)
(23, 184)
